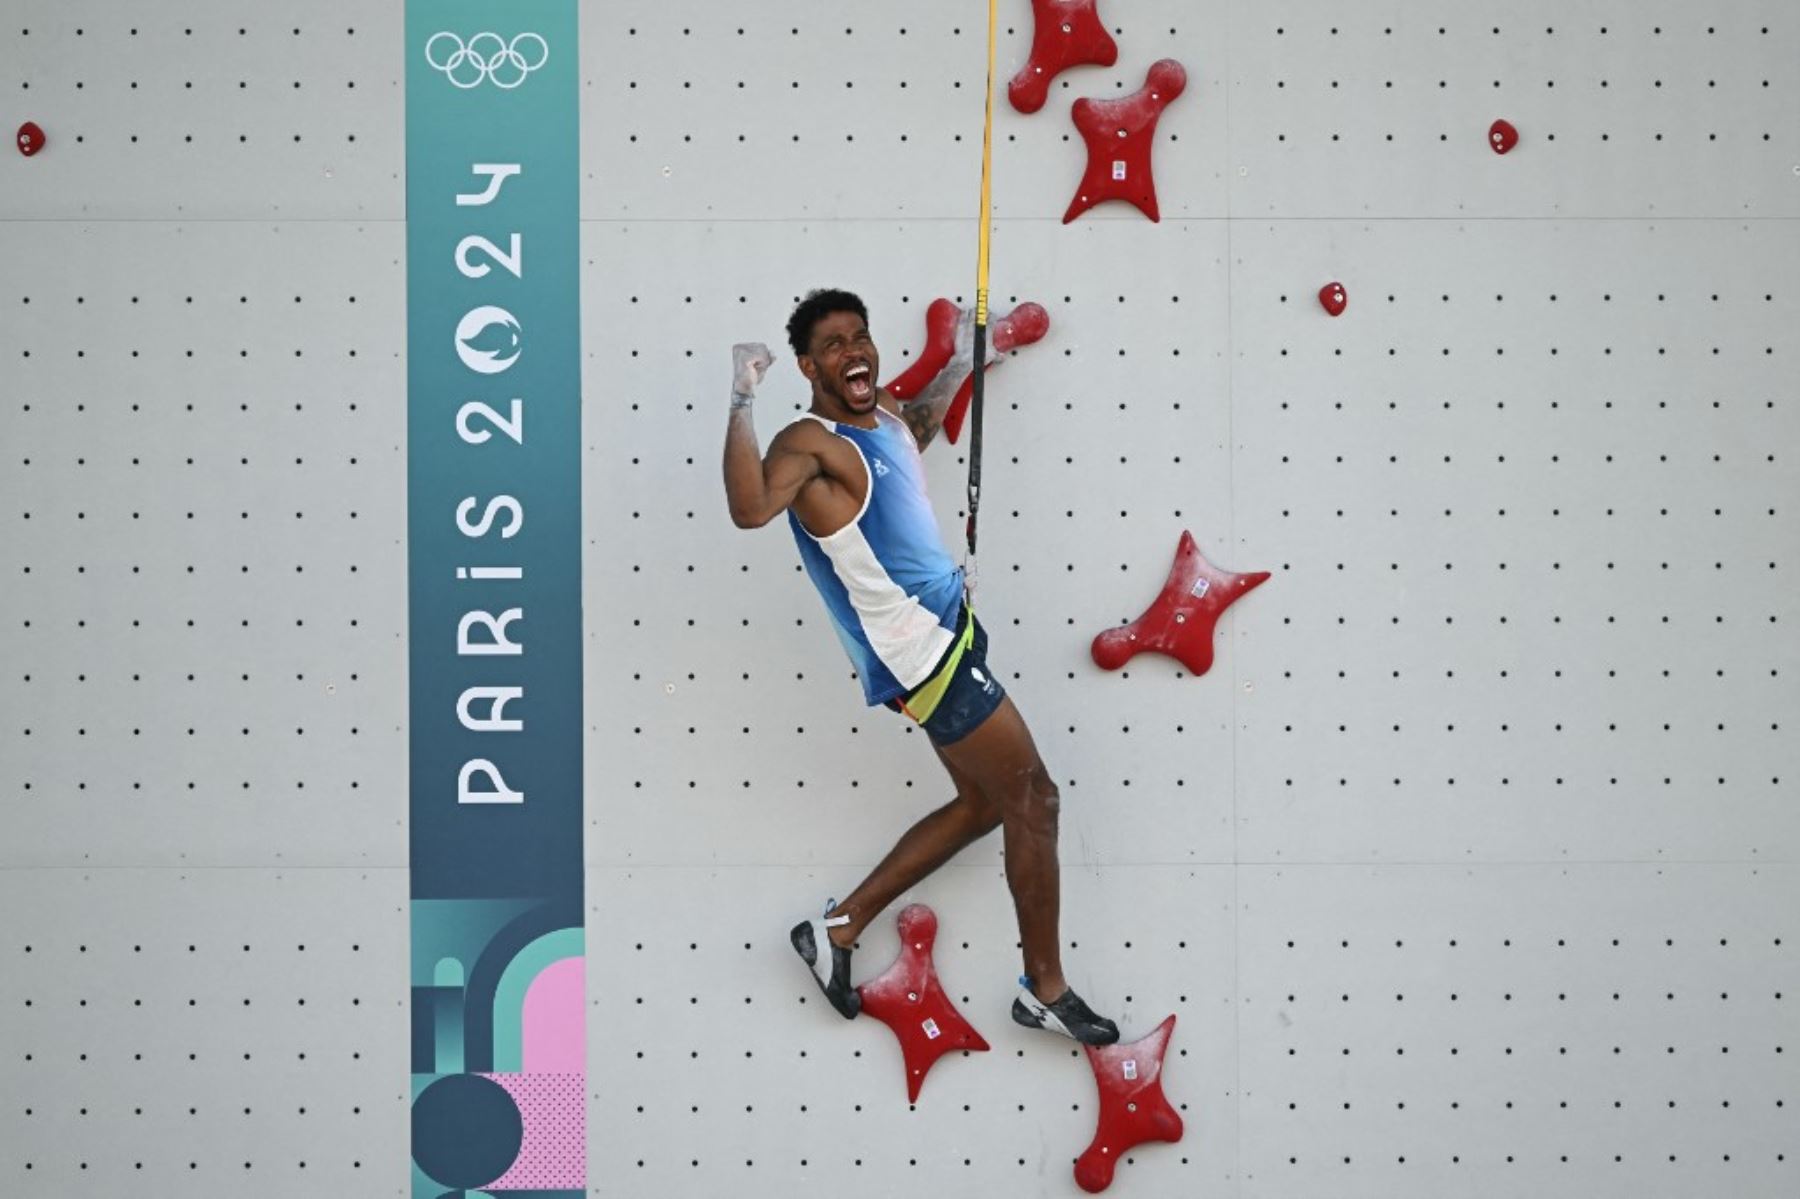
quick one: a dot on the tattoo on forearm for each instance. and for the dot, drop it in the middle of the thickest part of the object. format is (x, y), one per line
(924, 419)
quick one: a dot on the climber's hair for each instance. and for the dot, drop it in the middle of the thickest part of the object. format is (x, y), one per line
(820, 303)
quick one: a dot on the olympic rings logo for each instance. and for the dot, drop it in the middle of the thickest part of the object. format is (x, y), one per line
(500, 65)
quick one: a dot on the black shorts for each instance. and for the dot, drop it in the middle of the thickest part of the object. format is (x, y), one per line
(961, 692)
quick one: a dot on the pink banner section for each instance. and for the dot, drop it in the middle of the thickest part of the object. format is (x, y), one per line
(554, 1153)
(554, 1038)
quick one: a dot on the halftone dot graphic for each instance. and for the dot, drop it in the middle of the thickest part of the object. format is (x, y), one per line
(554, 1153)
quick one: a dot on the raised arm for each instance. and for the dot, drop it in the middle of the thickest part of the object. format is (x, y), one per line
(758, 488)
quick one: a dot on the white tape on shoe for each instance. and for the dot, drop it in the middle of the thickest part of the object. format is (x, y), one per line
(1042, 1012)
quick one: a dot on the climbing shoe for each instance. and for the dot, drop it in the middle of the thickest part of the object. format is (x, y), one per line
(1067, 1015)
(830, 964)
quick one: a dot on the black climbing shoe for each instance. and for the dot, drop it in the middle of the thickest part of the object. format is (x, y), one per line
(831, 970)
(1068, 1015)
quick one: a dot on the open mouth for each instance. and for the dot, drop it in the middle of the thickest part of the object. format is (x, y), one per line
(859, 382)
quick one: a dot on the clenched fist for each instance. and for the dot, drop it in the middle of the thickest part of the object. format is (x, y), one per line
(749, 363)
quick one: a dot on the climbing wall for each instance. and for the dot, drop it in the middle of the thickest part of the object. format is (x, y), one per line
(1468, 868)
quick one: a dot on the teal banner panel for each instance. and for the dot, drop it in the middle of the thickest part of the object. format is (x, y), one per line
(499, 1059)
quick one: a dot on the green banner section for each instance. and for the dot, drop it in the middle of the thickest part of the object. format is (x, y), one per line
(494, 596)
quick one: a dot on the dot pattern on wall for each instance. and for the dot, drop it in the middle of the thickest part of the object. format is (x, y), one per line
(202, 1031)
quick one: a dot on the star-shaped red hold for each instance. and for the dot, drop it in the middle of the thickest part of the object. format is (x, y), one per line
(1120, 135)
(1180, 622)
(1133, 1108)
(1066, 33)
(940, 342)
(1022, 326)
(908, 998)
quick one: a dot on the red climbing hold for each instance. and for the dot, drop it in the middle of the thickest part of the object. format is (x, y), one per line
(940, 343)
(1020, 327)
(1180, 622)
(1023, 325)
(1502, 136)
(1120, 135)
(1334, 298)
(1133, 1108)
(30, 139)
(908, 998)
(1067, 33)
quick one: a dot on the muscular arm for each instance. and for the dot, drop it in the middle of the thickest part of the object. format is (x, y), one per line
(758, 488)
(925, 414)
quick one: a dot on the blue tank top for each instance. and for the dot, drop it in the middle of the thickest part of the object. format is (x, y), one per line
(893, 593)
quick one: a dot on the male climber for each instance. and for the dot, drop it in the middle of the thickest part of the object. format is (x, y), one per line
(849, 475)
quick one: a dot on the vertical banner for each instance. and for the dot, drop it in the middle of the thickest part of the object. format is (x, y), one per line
(494, 598)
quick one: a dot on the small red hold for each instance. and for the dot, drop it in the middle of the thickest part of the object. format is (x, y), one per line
(1333, 296)
(940, 343)
(1021, 327)
(30, 139)
(908, 998)
(1502, 136)
(1120, 135)
(1066, 33)
(1133, 1108)
(1180, 622)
